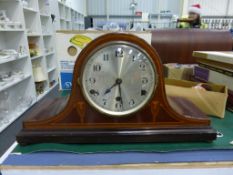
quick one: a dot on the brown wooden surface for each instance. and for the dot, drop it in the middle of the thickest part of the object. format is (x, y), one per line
(78, 119)
(90, 118)
(49, 107)
(177, 45)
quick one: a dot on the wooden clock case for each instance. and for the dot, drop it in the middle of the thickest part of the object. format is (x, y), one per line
(161, 120)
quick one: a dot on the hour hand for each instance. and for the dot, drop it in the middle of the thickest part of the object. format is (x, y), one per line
(107, 91)
(118, 82)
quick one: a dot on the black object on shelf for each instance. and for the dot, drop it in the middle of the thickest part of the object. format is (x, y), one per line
(88, 22)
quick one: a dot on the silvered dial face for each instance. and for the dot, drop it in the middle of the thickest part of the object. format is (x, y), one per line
(118, 79)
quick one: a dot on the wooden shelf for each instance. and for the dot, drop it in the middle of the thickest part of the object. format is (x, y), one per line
(47, 34)
(44, 15)
(33, 34)
(13, 83)
(30, 10)
(52, 87)
(39, 97)
(2, 61)
(12, 30)
(36, 57)
(51, 69)
(49, 53)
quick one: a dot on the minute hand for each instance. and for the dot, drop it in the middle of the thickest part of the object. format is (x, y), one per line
(119, 86)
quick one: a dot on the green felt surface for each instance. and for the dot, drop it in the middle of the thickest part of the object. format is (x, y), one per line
(225, 126)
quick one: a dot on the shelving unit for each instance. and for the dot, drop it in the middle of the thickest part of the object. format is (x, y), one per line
(66, 17)
(218, 22)
(77, 20)
(37, 29)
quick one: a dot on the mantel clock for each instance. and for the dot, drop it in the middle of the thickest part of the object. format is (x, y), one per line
(118, 96)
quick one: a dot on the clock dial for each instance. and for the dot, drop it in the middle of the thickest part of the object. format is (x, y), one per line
(118, 79)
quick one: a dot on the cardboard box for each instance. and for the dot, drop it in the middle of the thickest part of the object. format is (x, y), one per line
(210, 102)
(178, 71)
(217, 77)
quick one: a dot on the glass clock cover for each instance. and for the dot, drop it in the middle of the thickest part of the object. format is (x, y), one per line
(118, 78)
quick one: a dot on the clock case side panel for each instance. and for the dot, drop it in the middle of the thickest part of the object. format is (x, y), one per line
(162, 117)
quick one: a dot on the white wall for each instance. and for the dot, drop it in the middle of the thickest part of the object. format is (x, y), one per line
(78, 5)
(211, 7)
(230, 8)
(121, 7)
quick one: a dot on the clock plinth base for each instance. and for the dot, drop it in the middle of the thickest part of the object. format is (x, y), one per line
(117, 136)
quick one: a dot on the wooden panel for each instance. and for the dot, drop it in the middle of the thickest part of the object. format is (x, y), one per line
(177, 45)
